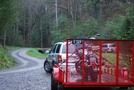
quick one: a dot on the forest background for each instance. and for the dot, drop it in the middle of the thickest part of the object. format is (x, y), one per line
(41, 23)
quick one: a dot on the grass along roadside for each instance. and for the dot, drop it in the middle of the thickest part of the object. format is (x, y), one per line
(6, 60)
(34, 52)
(10, 48)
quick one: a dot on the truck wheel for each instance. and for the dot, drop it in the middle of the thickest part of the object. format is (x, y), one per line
(47, 67)
(60, 87)
(54, 86)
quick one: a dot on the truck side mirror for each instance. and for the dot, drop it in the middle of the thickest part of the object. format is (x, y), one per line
(47, 52)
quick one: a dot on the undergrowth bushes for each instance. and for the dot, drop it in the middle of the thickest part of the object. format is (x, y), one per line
(34, 52)
(6, 61)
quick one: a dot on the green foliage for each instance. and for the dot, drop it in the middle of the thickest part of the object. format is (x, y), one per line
(6, 61)
(10, 48)
(44, 29)
(112, 19)
(62, 31)
(93, 7)
(57, 37)
(128, 27)
(6, 16)
(88, 28)
(34, 52)
(14, 38)
(113, 27)
(35, 38)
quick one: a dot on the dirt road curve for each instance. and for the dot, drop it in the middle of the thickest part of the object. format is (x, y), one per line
(27, 75)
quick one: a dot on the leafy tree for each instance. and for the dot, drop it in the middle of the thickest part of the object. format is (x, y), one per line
(7, 12)
(113, 27)
(93, 7)
(36, 20)
(14, 38)
(128, 29)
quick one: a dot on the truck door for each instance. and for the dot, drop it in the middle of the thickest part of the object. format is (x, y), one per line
(51, 54)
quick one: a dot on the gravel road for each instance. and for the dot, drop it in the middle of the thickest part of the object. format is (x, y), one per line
(27, 75)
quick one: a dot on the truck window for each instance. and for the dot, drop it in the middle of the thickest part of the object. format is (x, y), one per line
(112, 45)
(53, 49)
(104, 45)
(58, 48)
(71, 49)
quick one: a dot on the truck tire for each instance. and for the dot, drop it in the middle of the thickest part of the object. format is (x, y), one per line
(54, 86)
(47, 67)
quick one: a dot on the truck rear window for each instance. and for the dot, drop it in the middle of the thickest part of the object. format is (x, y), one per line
(71, 49)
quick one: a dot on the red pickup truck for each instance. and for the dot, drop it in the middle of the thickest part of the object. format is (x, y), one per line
(87, 68)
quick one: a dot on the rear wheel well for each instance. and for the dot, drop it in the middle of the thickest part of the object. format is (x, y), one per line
(47, 67)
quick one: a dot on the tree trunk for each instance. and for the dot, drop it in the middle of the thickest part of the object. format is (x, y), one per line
(4, 43)
(71, 12)
(56, 11)
(41, 34)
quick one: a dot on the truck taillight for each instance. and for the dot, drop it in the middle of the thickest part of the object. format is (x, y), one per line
(59, 58)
